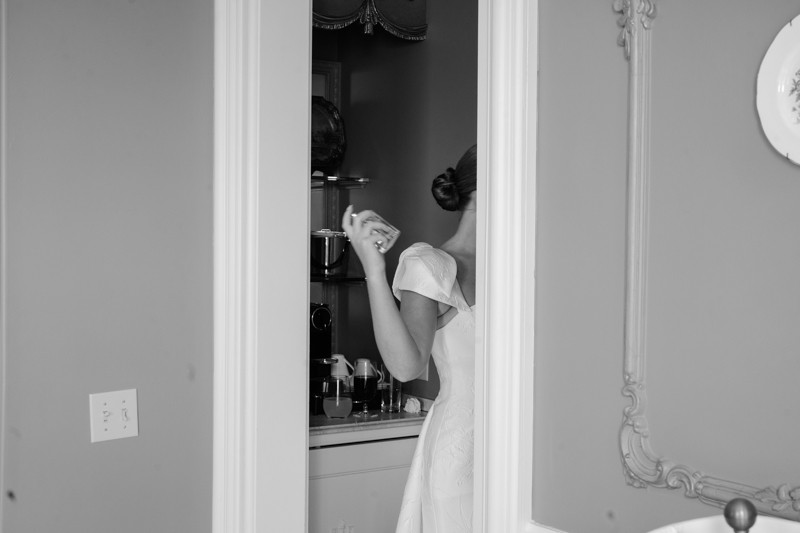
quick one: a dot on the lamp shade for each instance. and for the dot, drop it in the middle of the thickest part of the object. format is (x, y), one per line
(401, 18)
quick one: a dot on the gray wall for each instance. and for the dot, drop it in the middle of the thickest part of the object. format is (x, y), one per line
(410, 111)
(109, 262)
(722, 288)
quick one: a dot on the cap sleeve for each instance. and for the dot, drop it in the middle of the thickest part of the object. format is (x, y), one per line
(430, 272)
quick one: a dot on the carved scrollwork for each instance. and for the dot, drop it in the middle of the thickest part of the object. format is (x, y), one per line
(625, 21)
(642, 467)
(368, 17)
(781, 498)
(679, 476)
(647, 11)
(408, 23)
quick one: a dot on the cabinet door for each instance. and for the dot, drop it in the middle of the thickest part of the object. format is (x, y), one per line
(359, 486)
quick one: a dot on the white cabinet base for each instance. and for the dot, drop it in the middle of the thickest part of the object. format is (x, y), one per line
(359, 486)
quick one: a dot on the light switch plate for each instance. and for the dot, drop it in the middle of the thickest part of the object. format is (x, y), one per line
(113, 415)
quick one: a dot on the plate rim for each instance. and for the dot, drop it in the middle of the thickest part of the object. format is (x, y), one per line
(772, 121)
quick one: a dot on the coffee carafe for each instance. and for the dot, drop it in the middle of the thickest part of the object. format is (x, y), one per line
(320, 361)
(365, 386)
(320, 331)
(342, 366)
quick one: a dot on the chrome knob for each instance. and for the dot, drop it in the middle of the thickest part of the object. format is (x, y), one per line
(740, 514)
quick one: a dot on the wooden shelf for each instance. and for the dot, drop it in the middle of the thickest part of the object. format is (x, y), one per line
(315, 278)
(319, 180)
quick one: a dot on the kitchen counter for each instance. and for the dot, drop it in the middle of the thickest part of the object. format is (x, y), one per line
(357, 459)
(358, 486)
(324, 431)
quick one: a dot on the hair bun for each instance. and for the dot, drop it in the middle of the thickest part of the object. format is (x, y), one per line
(445, 191)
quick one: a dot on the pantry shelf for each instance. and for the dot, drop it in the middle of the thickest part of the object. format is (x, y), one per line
(319, 180)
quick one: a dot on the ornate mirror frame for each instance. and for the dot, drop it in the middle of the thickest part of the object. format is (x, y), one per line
(332, 72)
(642, 467)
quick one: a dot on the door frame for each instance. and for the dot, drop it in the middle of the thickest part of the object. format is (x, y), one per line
(261, 142)
(508, 62)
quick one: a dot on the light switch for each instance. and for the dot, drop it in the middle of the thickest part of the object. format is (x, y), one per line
(113, 415)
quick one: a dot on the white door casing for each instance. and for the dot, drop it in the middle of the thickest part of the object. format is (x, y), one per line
(262, 96)
(262, 57)
(3, 258)
(507, 142)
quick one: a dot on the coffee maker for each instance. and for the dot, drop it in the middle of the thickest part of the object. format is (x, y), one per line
(319, 350)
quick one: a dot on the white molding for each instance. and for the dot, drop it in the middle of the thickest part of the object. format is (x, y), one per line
(642, 467)
(235, 263)
(3, 259)
(507, 119)
(261, 281)
(647, 10)
(399, 431)
(506, 262)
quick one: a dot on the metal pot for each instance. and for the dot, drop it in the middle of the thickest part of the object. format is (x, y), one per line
(329, 250)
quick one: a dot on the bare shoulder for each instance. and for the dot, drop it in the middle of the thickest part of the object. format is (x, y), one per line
(465, 271)
(465, 262)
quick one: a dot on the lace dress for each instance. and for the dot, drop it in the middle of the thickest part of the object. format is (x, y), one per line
(438, 493)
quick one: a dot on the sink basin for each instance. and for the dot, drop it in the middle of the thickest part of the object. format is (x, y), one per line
(717, 524)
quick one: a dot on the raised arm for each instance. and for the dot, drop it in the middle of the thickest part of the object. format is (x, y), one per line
(404, 336)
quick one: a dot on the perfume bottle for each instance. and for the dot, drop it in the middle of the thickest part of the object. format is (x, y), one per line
(389, 235)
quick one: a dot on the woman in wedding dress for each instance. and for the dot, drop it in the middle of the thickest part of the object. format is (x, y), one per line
(436, 289)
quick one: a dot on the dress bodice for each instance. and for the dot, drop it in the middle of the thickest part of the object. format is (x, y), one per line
(438, 495)
(431, 272)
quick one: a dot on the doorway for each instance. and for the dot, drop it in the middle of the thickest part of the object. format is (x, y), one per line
(261, 283)
(409, 109)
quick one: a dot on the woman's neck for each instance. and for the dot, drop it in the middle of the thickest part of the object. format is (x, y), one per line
(461, 247)
(463, 241)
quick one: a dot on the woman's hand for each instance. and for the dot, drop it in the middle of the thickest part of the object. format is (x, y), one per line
(363, 239)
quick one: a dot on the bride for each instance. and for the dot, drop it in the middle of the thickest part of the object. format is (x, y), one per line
(436, 290)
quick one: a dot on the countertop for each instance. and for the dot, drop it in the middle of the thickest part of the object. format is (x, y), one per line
(324, 431)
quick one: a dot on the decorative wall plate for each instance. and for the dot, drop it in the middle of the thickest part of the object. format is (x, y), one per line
(778, 92)
(327, 134)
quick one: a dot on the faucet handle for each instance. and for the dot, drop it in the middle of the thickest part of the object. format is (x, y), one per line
(740, 514)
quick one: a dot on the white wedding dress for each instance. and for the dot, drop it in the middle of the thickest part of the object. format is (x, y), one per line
(438, 493)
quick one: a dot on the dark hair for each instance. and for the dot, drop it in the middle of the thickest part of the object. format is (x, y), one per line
(453, 189)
